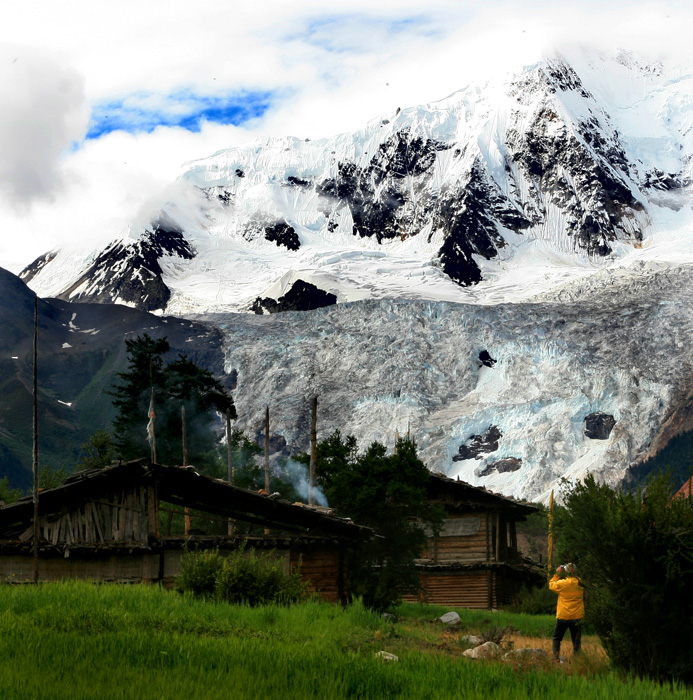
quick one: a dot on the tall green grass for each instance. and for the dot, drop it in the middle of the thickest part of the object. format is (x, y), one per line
(77, 641)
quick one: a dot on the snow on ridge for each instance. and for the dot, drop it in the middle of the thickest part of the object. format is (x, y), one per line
(630, 117)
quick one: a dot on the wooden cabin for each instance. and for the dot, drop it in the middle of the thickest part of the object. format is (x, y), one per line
(475, 562)
(113, 524)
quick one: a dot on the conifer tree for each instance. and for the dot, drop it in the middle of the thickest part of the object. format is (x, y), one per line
(389, 494)
(174, 385)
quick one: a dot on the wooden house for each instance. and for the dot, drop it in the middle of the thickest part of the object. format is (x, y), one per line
(113, 524)
(475, 561)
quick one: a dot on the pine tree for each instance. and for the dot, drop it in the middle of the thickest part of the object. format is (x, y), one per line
(389, 494)
(180, 384)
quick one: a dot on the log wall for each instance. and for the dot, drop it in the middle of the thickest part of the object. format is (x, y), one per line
(116, 568)
(467, 548)
(461, 589)
(324, 568)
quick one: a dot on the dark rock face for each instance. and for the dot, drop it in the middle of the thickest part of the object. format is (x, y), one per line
(298, 182)
(486, 359)
(470, 217)
(582, 171)
(502, 466)
(377, 195)
(598, 426)
(30, 271)
(282, 234)
(657, 179)
(303, 296)
(478, 445)
(131, 272)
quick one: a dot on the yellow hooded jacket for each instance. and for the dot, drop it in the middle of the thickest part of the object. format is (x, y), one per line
(570, 597)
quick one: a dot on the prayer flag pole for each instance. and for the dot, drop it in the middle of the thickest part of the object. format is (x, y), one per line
(549, 564)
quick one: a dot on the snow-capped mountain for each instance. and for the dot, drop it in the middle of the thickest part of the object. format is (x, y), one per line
(550, 174)
(564, 189)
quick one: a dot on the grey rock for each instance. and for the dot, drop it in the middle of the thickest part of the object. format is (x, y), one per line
(502, 466)
(526, 656)
(598, 426)
(489, 650)
(450, 618)
(478, 445)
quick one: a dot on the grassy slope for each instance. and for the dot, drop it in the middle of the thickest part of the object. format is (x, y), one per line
(78, 640)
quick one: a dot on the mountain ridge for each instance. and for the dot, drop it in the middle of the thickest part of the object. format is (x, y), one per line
(442, 197)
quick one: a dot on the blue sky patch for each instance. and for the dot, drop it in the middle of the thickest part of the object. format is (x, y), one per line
(144, 112)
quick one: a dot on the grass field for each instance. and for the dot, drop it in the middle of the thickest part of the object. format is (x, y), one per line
(78, 640)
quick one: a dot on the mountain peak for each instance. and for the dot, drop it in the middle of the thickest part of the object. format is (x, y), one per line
(438, 201)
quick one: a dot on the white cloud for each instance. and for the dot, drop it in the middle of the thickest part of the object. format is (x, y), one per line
(43, 113)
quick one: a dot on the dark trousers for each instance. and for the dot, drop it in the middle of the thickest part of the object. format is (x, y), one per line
(575, 627)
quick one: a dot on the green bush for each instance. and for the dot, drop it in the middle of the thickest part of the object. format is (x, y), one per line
(534, 601)
(244, 577)
(198, 572)
(256, 579)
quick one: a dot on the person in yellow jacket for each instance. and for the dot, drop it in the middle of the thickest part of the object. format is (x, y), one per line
(570, 609)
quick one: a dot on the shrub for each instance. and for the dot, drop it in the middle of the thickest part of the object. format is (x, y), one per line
(534, 601)
(198, 572)
(244, 577)
(257, 579)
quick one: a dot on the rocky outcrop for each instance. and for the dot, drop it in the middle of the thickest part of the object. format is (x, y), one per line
(581, 168)
(380, 196)
(486, 359)
(303, 296)
(471, 217)
(598, 426)
(130, 272)
(282, 233)
(502, 466)
(31, 270)
(478, 445)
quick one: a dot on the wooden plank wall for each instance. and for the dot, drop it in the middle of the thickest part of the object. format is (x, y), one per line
(464, 548)
(321, 566)
(120, 518)
(121, 568)
(462, 589)
(507, 587)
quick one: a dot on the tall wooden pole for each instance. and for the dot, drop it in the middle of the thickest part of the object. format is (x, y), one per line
(188, 519)
(267, 442)
(229, 452)
(151, 431)
(229, 462)
(549, 564)
(313, 451)
(185, 436)
(267, 478)
(35, 450)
